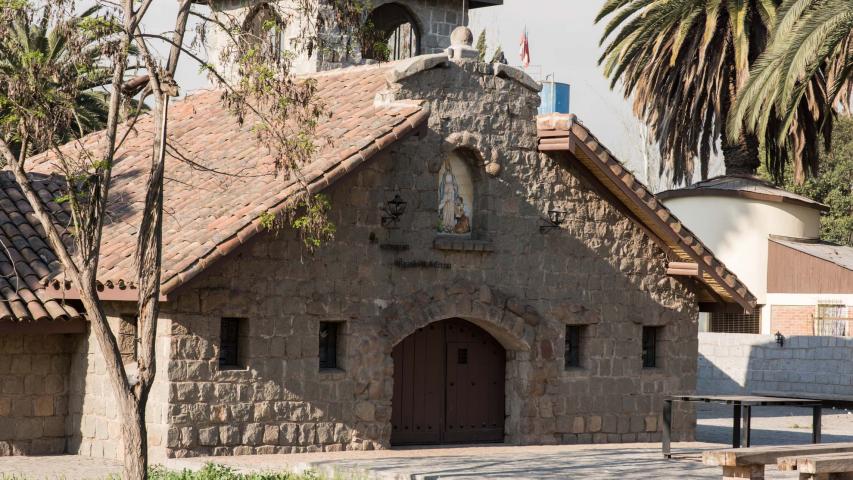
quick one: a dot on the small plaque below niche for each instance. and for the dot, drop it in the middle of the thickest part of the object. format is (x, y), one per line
(394, 247)
(462, 244)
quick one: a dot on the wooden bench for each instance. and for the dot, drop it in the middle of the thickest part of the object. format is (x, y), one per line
(749, 462)
(825, 466)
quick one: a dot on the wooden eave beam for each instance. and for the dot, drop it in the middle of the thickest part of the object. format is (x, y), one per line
(683, 269)
(610, 173)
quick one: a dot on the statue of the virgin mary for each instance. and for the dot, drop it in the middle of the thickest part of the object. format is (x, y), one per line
(448, 190)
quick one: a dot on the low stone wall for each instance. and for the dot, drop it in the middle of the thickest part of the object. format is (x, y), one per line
(33, 393)
(731, 363)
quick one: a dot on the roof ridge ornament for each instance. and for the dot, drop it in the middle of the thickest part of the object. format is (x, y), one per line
(461, 45)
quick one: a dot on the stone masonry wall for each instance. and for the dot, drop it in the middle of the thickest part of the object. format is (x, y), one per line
(598, 270)
(731, 363)
(94, 422)
(33, 393)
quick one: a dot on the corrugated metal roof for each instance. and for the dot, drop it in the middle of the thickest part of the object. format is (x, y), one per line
(838, 254)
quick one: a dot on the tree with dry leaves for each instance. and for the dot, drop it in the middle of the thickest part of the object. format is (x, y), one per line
(257, 85)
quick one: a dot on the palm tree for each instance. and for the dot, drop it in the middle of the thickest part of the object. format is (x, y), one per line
(808, 58)
(56, 61)
(684, 62)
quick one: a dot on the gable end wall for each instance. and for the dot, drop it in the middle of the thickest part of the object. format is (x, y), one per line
(598, 270)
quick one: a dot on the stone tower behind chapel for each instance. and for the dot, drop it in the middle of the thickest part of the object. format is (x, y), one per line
(406, 28)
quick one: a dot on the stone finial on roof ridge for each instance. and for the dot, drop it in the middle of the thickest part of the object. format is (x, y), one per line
(517, 74)
(461, 41)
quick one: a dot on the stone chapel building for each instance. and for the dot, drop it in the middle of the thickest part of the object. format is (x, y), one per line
(494, 277)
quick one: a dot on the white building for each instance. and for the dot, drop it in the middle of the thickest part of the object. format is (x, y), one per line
(770, 238)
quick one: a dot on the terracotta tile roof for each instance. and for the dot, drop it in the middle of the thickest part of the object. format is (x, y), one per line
(25, 258)
(215, 205)
(562, 132)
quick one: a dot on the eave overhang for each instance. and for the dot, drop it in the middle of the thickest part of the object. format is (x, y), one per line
(562, 133)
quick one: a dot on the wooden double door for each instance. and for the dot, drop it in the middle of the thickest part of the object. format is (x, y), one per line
(448, 386)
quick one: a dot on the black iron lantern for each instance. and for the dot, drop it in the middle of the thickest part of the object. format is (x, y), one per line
(394, 209)
(555, 219)
(780, 339)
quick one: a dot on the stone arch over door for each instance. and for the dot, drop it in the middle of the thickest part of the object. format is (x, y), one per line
(392, 33)
(508, 321)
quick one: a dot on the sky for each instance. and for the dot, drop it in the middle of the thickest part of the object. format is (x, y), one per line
(564, 43)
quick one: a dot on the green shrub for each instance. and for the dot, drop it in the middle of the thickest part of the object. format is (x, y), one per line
(212, 471)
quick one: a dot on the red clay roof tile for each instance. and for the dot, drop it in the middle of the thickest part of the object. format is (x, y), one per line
(219, 181)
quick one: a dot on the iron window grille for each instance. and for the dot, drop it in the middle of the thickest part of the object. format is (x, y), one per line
(573, 346)
(229, 343)
(328, 345)
(650, 346)
(831, 319)
(735, 322)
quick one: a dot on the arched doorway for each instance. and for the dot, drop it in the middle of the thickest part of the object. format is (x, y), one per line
(448, 386)
(390, 33)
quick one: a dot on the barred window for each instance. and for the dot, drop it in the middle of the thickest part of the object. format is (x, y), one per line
(329, 345)
(229, 342)
(651, 337)
(831, 319)
(735, 322)
(574, 333)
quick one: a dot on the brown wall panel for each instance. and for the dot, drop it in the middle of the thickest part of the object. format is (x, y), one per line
(792, 271)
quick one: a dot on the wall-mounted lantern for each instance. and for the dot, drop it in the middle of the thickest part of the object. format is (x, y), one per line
(555, 219)
(780, 339)
(393, 209)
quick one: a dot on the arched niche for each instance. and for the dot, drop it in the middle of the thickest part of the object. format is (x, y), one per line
(391, 33)
(456, 196)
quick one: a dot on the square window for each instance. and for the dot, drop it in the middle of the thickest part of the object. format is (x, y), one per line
(230, 332)
(329, 345)
(572, 358)
(651, 337)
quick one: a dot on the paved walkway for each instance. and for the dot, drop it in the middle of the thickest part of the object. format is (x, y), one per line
(777, 425)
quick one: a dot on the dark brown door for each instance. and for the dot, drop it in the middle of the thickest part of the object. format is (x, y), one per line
(448, 386)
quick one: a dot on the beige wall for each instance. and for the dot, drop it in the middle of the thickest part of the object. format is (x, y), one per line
(737, 229)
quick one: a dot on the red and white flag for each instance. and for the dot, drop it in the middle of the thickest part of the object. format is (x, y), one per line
(525, 49)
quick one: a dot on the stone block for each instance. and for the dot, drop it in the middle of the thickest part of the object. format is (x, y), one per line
(209, 436)
(289, 433)
(43, 406)
(271, 435)
(594, 424)
(253, 434)
(229, 435)
(651, 423)
(365, 411)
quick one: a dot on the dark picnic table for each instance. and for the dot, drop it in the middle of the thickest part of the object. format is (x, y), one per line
(742, 409)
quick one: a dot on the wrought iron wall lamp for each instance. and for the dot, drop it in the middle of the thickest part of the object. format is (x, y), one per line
(554, 220)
